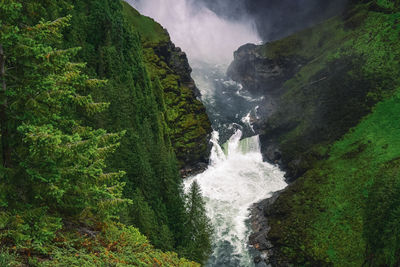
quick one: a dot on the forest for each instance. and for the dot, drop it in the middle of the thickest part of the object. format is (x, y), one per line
(86, 129)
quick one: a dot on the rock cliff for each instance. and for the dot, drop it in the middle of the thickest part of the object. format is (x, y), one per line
(188, 123)
(329, 120)
(315, 90)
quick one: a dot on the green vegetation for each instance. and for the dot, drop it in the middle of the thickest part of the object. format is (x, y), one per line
(345, 211)
(341, 115)
(201, 248)
(81, 155)
(187, 121)
(352, 63)
(150, 31)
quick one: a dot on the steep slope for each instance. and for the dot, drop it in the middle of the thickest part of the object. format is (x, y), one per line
(321, 84)
(113, 37)
(153, 131)
(189, 126)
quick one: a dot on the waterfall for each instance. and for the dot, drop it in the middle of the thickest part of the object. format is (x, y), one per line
(236, 178)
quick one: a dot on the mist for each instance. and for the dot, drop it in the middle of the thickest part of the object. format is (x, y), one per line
(198, 30)
(277, 18)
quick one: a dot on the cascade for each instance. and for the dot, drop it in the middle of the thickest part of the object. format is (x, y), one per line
(236, 178)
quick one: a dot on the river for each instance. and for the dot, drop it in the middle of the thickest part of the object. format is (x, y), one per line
(236, 177)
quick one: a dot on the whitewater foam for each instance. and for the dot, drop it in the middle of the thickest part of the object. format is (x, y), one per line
(236, 178)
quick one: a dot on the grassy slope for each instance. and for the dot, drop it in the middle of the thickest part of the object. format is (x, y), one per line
(344, 209)
(149, 30)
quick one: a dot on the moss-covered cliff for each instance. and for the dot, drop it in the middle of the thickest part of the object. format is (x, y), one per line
(188, 123)
(334, 127)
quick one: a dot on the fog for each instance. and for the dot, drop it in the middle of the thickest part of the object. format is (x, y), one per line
(198, 30)
(277, 18)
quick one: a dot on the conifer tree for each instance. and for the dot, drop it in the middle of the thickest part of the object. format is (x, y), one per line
(52, 164)
(198, 226)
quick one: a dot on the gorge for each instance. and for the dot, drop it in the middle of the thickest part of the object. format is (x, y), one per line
(187, 133)
(316, 93)
(236, 177)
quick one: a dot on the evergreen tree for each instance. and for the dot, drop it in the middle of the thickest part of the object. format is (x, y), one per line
(143, 216)
(53, 165)
(114, 52)
(198, 227)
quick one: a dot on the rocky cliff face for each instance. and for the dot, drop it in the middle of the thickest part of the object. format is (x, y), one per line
(261, 74)
(312, 95)
(320, 85)
(188, 123)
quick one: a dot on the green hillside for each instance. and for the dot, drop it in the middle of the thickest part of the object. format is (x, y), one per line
(88, 149)
(337, 127)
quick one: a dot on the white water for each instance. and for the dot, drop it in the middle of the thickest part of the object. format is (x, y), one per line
(236, 177)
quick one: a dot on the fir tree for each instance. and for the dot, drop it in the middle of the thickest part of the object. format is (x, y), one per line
(53, 165)
(198, 227)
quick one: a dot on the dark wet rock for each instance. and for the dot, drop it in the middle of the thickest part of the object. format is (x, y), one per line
(257, 259)
(260, 74)
(259, 238)
(193, 170)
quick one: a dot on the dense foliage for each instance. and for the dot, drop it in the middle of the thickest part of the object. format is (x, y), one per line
(199, 225)
(80, 154)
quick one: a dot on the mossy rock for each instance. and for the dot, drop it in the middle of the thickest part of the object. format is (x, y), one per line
(188, 123)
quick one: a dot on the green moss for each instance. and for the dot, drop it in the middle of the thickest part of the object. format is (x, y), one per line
(343, 210)
(187, 121)
(333, 204)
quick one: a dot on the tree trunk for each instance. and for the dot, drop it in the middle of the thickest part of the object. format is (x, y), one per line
(5, 145)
